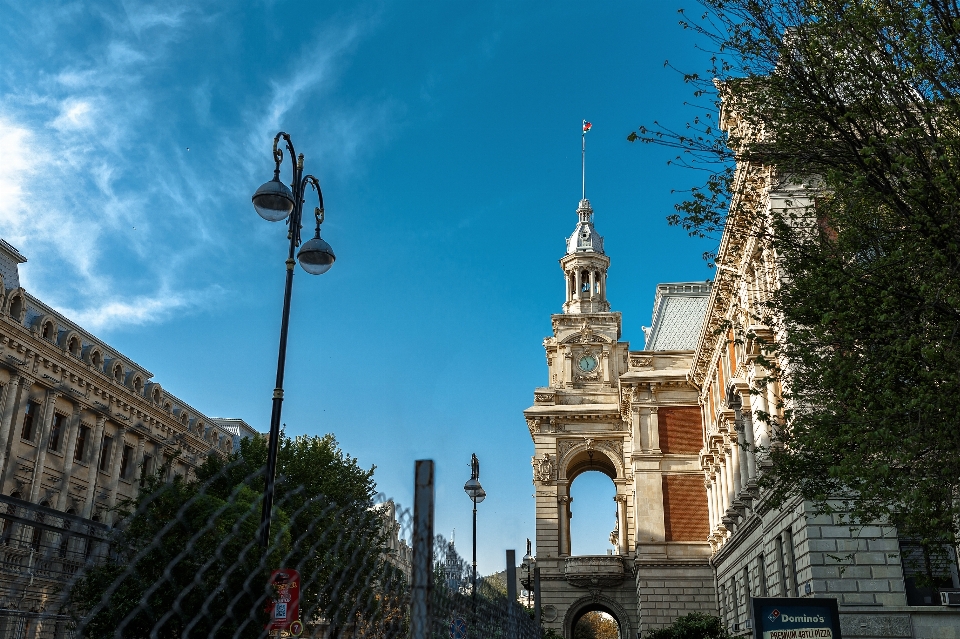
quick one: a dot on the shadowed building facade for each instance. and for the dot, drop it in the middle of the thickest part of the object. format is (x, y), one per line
(80, 425)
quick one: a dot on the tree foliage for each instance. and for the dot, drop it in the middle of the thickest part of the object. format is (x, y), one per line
(693, 626)
(596, 625)
(186, 561)
(854, 102)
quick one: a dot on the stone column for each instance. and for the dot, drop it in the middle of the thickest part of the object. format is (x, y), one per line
(15, 423)
(724, 484)
(751, 454)
(622, 519)
(114, 470)
(654, 430)
(636, 422)
(563, 525)
(579, 285)
(49, 409)
(8, 405)
(733, 465)
(95, 443)
(711, 516)
(139, 465)
(605, 362)
(71, 436)
(643, 415)
(765, 427)
(593, 283)
(717, 498)
(603, 286)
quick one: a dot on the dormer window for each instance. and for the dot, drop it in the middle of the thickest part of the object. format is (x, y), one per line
(73, 346)
(118, 373)
(16, 308)
(97, 359)
(138, 385)
(156, 395)
(47, 331)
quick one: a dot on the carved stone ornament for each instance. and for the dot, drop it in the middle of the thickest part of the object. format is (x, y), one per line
(597, 571)
(640, 362)
(564, 446)
(614, 445)
(544, 468)
(533, 425)
(541, 398)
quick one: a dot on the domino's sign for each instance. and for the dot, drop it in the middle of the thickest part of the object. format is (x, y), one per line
(796, 618)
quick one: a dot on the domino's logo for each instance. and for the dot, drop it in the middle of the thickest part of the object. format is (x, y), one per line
(773, 616)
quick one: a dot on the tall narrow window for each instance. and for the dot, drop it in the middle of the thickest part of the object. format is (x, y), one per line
(82, 435)
(145, 468)
(734, 603)
(29, 416)
(105, 453)
(56, 431)
(37, 539)
(791, 564)
(762, 570)
(125, 460)
(778, 552)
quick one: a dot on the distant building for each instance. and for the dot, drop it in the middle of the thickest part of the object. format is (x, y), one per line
(80, 426)
(401, 555)
(236, 427)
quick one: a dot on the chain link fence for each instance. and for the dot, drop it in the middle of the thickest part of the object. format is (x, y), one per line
(184, 560)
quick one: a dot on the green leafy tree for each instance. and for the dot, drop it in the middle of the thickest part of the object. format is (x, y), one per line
(693, 626)
(186, 556)
(855, 103)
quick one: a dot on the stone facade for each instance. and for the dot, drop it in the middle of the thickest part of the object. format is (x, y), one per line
(79, 425)
(678, 431)
(786, 551)
(634, 416)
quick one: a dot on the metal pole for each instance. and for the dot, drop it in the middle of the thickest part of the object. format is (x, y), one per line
(274, 442)
(511, 592)
(474, 554)
(420, 617)
(536, 596)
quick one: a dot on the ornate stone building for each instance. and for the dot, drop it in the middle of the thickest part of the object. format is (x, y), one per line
(80, 424)
(675, 427)
(634, 416)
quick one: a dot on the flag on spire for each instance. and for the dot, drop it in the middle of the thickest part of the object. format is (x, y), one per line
(586, 127)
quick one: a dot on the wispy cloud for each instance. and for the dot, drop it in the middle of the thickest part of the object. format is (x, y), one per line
(98, 185)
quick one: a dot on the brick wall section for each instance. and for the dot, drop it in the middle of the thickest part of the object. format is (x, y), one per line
(680, 430)
(685, 508)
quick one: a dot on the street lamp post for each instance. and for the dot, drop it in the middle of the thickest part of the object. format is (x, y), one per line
(476, 493)
(528, 564)
(275, 202)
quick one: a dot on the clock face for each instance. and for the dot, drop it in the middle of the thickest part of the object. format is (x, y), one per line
(587, 363)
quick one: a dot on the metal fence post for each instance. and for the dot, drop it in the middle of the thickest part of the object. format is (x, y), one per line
(512, 593)
(420, 617)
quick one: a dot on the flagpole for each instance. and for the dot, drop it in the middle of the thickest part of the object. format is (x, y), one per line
(583, 163)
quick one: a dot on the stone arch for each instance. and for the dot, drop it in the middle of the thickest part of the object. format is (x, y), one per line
(71, 342)
(596, 601)
(578, 459)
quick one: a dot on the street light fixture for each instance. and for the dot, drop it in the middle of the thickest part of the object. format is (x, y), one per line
(476, 493)
(275, 202)
(528, 564)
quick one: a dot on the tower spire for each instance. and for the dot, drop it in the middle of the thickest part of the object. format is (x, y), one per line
(583, 160)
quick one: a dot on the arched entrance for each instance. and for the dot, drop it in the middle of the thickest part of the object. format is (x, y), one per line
(596, 602)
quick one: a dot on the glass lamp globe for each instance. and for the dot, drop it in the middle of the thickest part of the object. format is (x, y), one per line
(481, 495)
(273, 201)
(473, 489)
(316, 256)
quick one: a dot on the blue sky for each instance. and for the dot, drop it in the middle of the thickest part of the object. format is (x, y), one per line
(446, 136)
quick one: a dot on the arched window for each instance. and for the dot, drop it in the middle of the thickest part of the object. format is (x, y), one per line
(65, 536)
(595, 528)
(138, 385)
(156, 395)
(97, 360)
(118, 373)
(73, 346)
(48, 330)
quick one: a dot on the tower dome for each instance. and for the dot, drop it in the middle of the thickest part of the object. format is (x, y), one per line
(585, 236)
(585, 267)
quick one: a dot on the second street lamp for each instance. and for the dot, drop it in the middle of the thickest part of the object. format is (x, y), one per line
(275, 202)
(476, 493)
